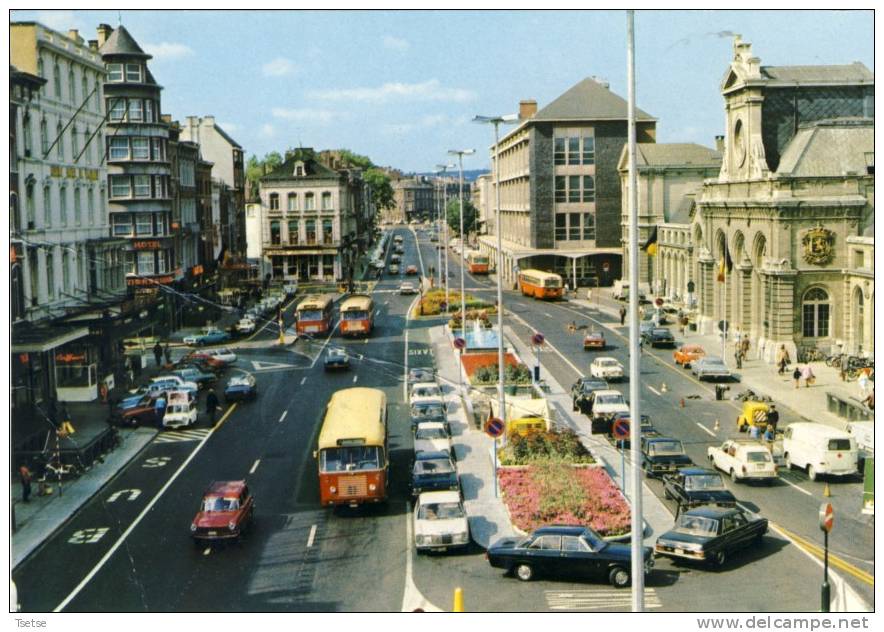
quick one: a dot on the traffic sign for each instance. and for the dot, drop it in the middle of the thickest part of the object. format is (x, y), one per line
(537, 339)
(459, 343)
(443, 306)
(621, 428)
(723, 326)
(494, 427)
(606, 267)
(691, 287)
(658, 302)
(827, 517)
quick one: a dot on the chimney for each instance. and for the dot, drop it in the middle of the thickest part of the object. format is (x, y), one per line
(527, 109)
(74, 34)
(93, 45)
(104, 32)
(719, 143)
(166, 118)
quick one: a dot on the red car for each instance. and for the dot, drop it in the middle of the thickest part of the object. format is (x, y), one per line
(208, 361)
(411, 270)
(594, 340)
(226, 512)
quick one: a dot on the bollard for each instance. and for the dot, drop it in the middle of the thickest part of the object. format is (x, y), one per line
(827, 492)
(458, 600)
(663, 387)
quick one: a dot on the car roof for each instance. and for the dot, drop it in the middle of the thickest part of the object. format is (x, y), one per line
(711, 511)
(223, 488)
(820, 430)
(662, 439)
(692, 347)
(608, 391)
(431, 455)
(560, 530)
(431, 424)
(438, 497)
(589, 379)
(711, 360)
(695, 471)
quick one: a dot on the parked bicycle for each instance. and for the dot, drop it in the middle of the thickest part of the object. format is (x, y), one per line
(810, 354)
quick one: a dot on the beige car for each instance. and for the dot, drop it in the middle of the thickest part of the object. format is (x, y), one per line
(440, 521)
(744, 460)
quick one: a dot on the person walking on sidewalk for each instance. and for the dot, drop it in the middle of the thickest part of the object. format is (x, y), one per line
(773, 417)
(807, 374)
(738, 356)
(158, 353)
(622, 315)
(24, 475)
(796, 375)
(782, 359)
(211, 406)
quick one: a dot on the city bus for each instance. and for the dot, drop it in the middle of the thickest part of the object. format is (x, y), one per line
(352, 449)
(539, 284)
(314, 314)
(357, 315)
(477, 263)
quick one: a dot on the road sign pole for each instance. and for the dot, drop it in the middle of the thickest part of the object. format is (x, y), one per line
(495, 469)
(825, 596)
(623, 468)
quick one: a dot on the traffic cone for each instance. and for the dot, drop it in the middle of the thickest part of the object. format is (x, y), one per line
(458, 600)
(826, 491)
(663, 388)
(682, 402)
(716, 426)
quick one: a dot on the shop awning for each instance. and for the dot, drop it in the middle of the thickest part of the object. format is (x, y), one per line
(38, 339)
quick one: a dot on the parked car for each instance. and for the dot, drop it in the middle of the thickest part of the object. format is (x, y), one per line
(395, 259)
(245, 326)
(433, 470)
(687, 354)
(140, 413)
(428, 409)
(421, 374)
(744, 460)
(407, 287)
(694, 486)
(226, 512)
(582, 389)
(711, 367)
(208, 337)
(241, 387)
(819, 449)
(440, 521)
(573, 551)
(167, 382)
(180, 410)
(431, 436)
(603, 406)
(336, 359)
(222, 353)
(711, 534)
(663, 455)
(411, 269)
(202, 360)
(594, 340)
(606, 368)
(193, 374)
(659, 337)
(424, 389)
(394, 268)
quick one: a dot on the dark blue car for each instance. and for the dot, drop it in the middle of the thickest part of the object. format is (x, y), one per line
(433, 472)
(241, 387)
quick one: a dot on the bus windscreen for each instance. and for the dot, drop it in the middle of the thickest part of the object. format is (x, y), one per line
(350, 458)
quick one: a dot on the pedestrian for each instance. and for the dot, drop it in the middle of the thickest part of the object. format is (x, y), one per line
(738, 356)
(769, 434)
(24, 475)
(796, 375)
(622, 315)
(159, 407)
(782, 359)
(808, 376)
(682, 324)
(744, 347)
(211, 406)
(773, 417)
(158, 353)
(167, 352)
(754, 431)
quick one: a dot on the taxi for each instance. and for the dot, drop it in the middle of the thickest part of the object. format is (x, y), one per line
(686, 354)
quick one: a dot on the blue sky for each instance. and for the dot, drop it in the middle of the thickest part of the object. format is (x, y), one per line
(403, 86)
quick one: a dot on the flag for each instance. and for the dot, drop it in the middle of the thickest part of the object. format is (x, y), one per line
(651, 244)
(725, 265)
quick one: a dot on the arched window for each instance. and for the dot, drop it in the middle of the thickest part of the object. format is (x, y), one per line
(84, 83)
(63, 204)
(44, 137)
(815, 313)
(75, 143)
(56, 78)
(26, 132)
(50, 276)
(40, 67)
(29, 204)
(59, 141)
(78, 207)
(72, 85)
(66, 272)
(47, 206)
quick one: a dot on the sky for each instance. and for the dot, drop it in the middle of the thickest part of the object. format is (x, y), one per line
(403, 86)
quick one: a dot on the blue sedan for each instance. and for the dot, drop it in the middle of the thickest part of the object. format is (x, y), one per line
(241, 387)
(212, 337)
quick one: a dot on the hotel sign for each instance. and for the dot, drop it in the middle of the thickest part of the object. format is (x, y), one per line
(157, 280)
(146, 245)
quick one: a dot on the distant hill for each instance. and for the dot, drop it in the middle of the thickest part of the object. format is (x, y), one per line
(469, 175)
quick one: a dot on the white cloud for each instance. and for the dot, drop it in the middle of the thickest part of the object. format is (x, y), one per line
(430, 90)
(278, 67)
(168, 50)
(62, 21)
(305, 114)
(395, 43)
(426, 122)
(267, 131)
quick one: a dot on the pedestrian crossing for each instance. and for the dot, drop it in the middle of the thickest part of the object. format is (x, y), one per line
(179, 436)
(611, 599)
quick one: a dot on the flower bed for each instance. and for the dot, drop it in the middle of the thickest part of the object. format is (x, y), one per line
(557, 493)
(558, 444)
(431, 303)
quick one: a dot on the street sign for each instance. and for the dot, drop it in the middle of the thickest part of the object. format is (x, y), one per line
(494, 427)
(658, 302)
(606, 267)
(621, 428)
(723, 325)
(827, 517)
(537, 339)
(459, 343)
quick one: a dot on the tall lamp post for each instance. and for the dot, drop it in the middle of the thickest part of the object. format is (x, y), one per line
(496, 121)
(460, 153)
(442, 169)
(440, 192)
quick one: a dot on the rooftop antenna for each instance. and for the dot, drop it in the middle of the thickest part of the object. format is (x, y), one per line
(119, 18)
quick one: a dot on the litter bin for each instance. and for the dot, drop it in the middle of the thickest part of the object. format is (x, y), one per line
(719, 392)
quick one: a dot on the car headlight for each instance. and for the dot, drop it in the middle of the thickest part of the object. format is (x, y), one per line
(192, 527)
(231, 525)
(462, 537)
(333, 489)
(372, 487)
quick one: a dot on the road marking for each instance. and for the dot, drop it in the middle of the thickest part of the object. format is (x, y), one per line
(312, 535)
(547, 343)
(355, 377)
(791, 484)
(412, 598)
(419, 256)
(87, 536)
(254, 466)
(178, 436)
(596, 599)
(654, 390)
(156, 461)
(705, 429)
(270, 366)
(548, 315)
(131, 494)
(140, 517)
(282, 416)
(324, 343)
(303, 379)
(816, 552)
(207, 551)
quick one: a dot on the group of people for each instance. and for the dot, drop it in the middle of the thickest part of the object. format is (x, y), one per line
(741, 348)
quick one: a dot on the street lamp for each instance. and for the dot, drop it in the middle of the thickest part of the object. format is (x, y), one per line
(442, 169)
(496, 121)
(460, 153)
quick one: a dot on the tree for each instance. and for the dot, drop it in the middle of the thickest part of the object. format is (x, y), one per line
(469, 215)
(257, 168)
(356, 160)
(381, 189)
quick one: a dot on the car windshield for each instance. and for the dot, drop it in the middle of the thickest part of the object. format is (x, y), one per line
(663, 448)
(434, 466)
(350, 458)
(421, 375)
(700, 482)
(758, 456)
(427, 410)
(216, 503)
(426, 391)
(336, 354)
(440, 511)
(430, 433)
(697, 525)
(661, 332)
(607, 400)
(607, 363)
(310, 314)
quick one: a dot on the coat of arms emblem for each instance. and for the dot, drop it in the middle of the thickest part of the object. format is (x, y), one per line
(819, 246)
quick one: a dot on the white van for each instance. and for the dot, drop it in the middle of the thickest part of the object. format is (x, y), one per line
(819, 449)
(621, 290)
(864, 433)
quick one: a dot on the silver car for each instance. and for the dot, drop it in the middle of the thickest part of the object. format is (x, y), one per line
(711, 367)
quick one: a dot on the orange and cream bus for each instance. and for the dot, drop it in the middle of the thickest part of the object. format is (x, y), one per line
(357, 317)
(315, 314)
(539, 284)
(352, 450)
(477, 262)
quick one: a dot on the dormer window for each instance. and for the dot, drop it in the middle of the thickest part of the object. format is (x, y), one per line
(299, 169)
(133, 73)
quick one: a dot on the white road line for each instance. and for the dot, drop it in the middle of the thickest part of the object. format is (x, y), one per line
(312, 535)
(419, 256)
(355, 377)
(324, 343)
(254, 466)
(704, 428)
(284, 413)
(654, 390)
(547, 315)
(140, 517)
(791, 484)
(303, 379)
(548, 344)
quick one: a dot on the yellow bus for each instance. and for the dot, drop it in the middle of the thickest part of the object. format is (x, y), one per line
(352, 451)
(357, 315)
(477, 262)
(315, 314)
(539, 284)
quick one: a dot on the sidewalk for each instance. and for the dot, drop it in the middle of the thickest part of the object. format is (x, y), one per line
(759, 376)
